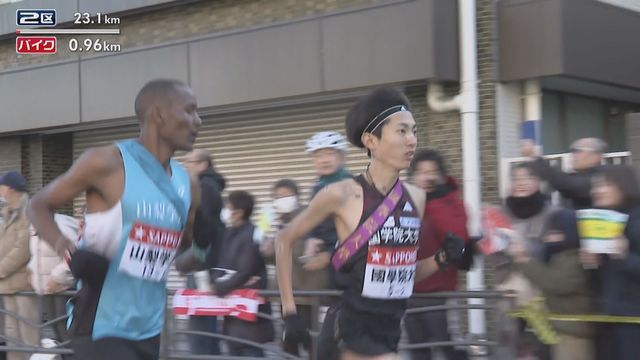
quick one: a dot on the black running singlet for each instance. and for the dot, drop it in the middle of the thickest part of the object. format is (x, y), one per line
(380, 277)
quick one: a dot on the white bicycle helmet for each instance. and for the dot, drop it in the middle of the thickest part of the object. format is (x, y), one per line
(326, 139)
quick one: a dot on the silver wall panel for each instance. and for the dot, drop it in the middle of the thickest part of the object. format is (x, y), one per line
(39, 98)
(601, 42)
(389, 43)
(579, 39)
(110, 84)
(378, 46)
(530, 38)
(270, 63)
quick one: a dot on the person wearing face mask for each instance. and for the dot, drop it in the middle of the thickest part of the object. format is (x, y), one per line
(528, 211)
(286, 205)
(241, 255)
(563, 282)
(617, 188)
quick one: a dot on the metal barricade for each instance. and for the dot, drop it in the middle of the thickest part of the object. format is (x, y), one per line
(174, 331)
(488, 341)
(45, 327)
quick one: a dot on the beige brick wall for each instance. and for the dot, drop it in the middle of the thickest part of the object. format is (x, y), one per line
(197, 19)
(56, 159)
(443, 130)
(443, 133)
(487, 74)
(45, 157)
(32, 161)
(58, 156)
(10, 154)
(438, 131)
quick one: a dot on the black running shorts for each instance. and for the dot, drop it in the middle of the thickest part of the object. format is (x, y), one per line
(363, 333)
(111, 348)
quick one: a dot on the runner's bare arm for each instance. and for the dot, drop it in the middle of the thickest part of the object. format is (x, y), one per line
(425, 267)
(86, 173)
(324, 204)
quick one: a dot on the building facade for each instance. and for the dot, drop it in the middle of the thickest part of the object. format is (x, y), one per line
(270, 73)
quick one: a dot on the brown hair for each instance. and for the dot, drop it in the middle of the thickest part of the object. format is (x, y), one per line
(524, 166)
(625, 179)
(242, 200)
(367, 108)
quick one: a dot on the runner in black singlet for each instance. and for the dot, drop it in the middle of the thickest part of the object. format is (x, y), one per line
(378, 278)
(374, 292)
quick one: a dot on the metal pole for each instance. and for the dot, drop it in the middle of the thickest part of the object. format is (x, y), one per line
(469, 111)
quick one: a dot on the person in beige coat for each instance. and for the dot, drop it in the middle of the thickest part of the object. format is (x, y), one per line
(564, 283)
(14, 256)
(50, 274)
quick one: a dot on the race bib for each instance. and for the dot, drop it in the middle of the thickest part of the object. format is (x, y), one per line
(390, 272)
(149, 252)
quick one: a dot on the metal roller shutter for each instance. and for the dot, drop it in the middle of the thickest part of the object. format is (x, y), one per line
(254, 149)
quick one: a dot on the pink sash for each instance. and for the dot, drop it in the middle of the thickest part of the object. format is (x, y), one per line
(363, 233)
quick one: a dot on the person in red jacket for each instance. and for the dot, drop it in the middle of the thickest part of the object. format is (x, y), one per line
(444, 214)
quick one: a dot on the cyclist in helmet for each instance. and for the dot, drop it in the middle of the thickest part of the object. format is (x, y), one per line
(328, 151)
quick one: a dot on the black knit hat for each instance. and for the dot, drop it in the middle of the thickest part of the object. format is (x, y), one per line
(370, 110)
(14, 180)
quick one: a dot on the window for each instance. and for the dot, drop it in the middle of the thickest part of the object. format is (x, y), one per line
(567, 117)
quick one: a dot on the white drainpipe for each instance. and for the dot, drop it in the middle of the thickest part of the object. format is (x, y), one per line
(467, 103)
(438, 101)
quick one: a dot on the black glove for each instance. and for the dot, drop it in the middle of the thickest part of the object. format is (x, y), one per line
(295, 331)
(470, 251)
(452, 251)
(89, 267)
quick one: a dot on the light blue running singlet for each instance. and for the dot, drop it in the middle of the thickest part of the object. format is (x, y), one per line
(147, 229)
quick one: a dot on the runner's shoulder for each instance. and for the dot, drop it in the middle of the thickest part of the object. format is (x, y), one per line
(339, 192)
(101, 160)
